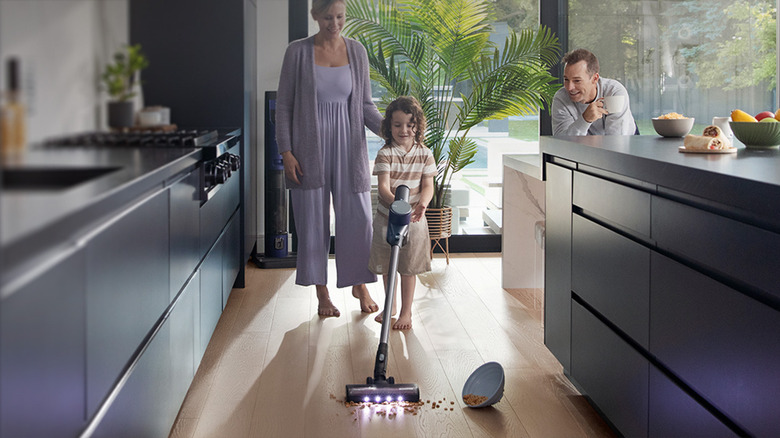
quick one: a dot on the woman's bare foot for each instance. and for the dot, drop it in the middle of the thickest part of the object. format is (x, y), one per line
(367, 305)
(325, 306)
(404, 321)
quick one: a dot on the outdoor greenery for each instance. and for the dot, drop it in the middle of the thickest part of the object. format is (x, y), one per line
(439, 51)
(742, 35)
(119, 75)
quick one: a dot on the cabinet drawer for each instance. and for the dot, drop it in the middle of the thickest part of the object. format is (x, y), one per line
(722, 343)
(673, 412)
(216, 212)
(617, 204)
(611, 373)
(733, 248)
(612, 274)
(42, 350)
(128, 288)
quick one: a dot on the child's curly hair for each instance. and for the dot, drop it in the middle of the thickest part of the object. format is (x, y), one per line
(408, 105)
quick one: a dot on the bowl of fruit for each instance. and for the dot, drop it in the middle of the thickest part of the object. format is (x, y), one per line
(761, 131)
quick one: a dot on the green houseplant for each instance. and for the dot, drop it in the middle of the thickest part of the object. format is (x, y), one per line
(119, 79)
(420, 47)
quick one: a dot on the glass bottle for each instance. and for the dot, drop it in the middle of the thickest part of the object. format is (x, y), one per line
(13, 114)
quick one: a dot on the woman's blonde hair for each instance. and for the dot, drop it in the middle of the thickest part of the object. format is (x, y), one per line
(408, 105)
(319, 7)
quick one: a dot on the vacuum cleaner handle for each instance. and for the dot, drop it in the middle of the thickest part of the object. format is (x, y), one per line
(402, 193)
(399, 217)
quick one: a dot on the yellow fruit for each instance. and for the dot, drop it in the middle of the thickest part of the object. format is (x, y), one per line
(777, 115)
(741, 116)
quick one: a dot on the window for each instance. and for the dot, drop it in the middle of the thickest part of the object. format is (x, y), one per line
(695, 57)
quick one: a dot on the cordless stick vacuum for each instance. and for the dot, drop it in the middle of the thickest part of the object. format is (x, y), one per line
(381, 388)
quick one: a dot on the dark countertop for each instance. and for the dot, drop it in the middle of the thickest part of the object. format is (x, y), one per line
(746, 183)
(33, 219)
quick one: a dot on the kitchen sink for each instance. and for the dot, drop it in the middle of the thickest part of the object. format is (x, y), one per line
(50, 178)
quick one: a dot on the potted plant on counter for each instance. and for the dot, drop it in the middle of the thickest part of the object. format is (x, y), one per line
(424, 48)
(120, 77)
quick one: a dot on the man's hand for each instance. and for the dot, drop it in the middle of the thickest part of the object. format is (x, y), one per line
(291, 167)
(594, 111)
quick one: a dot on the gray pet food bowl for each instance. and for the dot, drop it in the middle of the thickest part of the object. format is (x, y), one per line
(487, 381)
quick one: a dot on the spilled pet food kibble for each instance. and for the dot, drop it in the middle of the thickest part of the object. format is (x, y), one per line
(474, 400)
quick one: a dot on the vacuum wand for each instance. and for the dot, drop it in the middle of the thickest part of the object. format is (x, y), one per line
(381, 388)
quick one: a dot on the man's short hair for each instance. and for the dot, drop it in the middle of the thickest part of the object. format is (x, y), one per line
(578, 55)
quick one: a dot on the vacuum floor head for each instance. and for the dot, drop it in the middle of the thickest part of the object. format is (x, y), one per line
(379, 392)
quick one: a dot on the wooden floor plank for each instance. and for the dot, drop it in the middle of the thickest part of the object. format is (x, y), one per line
(229, 409)
(541, 400)
(486, 333)
(281, 387)
(276, 368)
(498, 420)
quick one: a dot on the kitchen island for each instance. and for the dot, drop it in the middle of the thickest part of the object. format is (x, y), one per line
(114, 275)
(661, 294)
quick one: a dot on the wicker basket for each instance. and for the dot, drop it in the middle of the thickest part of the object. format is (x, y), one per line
(440, 227)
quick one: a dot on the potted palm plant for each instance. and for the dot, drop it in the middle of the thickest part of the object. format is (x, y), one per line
(119, 78)
(421, 47)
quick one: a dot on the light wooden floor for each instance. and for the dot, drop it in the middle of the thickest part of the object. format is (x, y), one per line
(275, 369)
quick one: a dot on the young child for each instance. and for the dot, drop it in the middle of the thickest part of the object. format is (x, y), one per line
(403, 159)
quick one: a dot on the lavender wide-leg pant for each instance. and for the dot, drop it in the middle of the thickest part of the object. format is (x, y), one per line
(353, 225)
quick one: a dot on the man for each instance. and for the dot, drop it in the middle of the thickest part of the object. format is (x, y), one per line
(578, 107)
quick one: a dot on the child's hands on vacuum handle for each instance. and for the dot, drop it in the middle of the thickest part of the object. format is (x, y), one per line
(418, 212)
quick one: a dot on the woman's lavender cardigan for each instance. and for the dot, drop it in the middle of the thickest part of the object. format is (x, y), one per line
(297, 126)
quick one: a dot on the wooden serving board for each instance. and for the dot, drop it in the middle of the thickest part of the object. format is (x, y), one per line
(707, 151)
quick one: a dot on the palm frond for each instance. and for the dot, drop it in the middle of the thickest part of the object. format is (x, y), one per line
(424, 48)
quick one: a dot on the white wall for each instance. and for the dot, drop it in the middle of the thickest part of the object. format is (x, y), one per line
(63, 46)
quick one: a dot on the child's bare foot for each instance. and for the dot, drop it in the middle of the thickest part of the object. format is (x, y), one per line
(404, 322)
(379, 318)
(325, 306)
(367, 305)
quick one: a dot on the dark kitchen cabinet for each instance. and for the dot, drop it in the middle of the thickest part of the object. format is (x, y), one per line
(210, 295)
(216, 213)
(674, 413)
(610, 372)
(231, 259)
(722, 343)
(43, 350)
(184, 322)
(620, 206)
(557, 275)
(203, 65)
(184, 230)
(142, 408)
(152, 395)
(621, 290)
(674, 307)
(127, 290)
(725, 245)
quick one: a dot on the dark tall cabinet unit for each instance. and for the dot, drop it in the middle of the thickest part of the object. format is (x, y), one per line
(203, 65)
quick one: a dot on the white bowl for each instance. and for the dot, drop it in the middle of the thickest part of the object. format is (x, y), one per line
(673, 127)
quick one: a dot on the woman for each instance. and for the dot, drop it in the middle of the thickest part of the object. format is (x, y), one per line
(322, 105)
